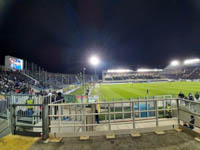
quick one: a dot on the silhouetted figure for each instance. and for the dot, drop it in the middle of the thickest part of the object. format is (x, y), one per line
(147, 91)
(97, 116)
(181, 95)
(192, 122)
(197, 95)
(190, 97)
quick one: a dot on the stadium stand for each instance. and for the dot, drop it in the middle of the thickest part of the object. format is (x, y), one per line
(14, 82)
(185, 71)
(21, 82)
(130, 76)
(190, 72)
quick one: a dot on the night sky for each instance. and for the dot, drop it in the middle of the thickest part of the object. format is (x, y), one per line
(60, 35)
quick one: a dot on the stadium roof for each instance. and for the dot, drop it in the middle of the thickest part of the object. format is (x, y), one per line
(191, 61)
(119, 70)
(149, 70)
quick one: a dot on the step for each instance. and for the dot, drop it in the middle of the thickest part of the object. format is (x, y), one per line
(110, 136)
(159, 132)
(135, 134)
(197, 139)
(84, 138)
(178, 130)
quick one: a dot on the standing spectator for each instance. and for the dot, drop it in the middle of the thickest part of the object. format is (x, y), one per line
(29, 108)
(31, 91)
(97, 116)
(197, 96)
(181, 95)
(59, 99)
(190, 97)
(169, 111)
(50, 93)
(147, 91)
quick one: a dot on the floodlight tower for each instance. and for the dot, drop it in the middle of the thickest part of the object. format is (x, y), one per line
(175, 63)
(83, 78)
(94, 61)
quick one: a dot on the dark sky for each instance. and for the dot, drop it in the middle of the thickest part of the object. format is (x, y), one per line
(60, 35)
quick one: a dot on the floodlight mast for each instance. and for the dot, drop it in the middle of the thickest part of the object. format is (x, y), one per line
(84, 79)
(94, 61)
(175, 63)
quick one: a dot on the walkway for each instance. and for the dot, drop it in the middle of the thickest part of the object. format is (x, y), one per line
(14, 142)
(172, 140)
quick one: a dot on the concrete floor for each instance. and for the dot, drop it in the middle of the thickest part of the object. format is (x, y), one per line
(172, 140)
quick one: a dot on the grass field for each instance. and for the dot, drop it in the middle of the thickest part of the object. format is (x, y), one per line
(80, 91)
(118, 91)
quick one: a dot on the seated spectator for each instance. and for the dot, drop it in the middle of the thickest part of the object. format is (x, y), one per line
(185, 124)
(191, 123)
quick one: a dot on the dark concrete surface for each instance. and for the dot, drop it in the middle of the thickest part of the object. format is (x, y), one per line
(172, 140)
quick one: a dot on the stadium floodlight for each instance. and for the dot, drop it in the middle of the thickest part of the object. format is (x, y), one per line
(94, 60)
(175, 63)
(191, 61)
(149, 70)
(119, 70)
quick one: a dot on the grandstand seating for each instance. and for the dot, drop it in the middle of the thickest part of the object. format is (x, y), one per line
(22, 81)
(17, 82)
(133, 76)
(185, 72)
(14, 81)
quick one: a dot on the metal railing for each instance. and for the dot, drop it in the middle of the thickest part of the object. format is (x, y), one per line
(81, 118)
(187, 109)
(112, 114)
(32, 118)
(3, 107)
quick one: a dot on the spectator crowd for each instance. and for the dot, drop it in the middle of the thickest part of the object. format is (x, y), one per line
(16, 82)
(195, 97)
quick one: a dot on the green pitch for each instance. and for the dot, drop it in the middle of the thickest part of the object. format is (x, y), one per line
(126, 91)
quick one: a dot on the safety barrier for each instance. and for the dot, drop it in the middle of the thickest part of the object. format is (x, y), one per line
(33, 120)
(3, 106)
(74, 119)
(18, 98)
(187, 109)
(112, 115)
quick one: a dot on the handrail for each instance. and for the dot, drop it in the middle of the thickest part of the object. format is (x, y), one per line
(114, 102)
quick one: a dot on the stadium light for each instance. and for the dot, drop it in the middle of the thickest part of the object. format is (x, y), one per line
(149, 70)
(175, 63)
(191, 61)
(94, 60)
